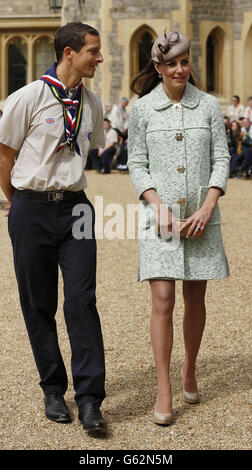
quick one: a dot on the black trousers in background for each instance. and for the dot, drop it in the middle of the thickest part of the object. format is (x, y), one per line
(41, 235)
(94, 161)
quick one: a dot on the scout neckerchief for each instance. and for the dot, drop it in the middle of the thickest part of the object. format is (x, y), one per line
(72, 108)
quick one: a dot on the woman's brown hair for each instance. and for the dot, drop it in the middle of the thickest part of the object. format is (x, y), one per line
(147, 79)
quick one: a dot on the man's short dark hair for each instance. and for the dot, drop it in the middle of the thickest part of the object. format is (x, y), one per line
(72, 35)
(236, 97)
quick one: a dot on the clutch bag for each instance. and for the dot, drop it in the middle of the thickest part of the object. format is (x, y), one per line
(184, 232)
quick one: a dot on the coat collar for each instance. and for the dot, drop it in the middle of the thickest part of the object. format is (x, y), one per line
(160, 100)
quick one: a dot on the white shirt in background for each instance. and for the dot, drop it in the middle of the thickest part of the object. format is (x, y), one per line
(119, 118)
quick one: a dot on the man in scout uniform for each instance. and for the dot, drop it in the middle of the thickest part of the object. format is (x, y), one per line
(47, 130)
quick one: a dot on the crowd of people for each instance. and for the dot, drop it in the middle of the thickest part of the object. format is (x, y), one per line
(238, 123)
(115, 152)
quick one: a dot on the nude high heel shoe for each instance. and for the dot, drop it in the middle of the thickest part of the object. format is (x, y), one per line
(189, 397)
(162, 418)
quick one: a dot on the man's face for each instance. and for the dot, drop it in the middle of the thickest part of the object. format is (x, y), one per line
(246, 123)
(124, 104)
(235, 101)
(106, 125)
(87, 59)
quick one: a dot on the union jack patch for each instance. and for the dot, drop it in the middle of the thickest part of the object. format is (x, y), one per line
(50, 121)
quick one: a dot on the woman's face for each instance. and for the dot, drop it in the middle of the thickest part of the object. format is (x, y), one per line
(175, 72)
(234, 126)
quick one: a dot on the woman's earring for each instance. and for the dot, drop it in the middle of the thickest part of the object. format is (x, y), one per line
(160, 76)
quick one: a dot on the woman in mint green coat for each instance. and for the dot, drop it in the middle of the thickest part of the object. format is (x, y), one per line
(179, 164)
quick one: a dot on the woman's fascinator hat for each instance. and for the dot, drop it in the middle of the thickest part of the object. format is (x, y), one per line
(169, 45)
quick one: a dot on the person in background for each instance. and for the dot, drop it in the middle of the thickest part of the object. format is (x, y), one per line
(248, 110)
(106, 110)
(246, 166)
(122, 158)
(228, 131)
(235, 147)
(119, 117)
(101, 158)
(236, 109)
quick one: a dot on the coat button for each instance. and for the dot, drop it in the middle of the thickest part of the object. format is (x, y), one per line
(176, 106)
(179, 137)
(182, 201)
(181, 169)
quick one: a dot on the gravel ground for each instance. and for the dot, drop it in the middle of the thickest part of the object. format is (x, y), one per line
(220, 421)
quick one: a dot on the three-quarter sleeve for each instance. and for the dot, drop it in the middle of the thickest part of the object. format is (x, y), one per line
(138, 162)
(219, 152)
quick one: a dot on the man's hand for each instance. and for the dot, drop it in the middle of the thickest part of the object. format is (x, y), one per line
(7, 155)
(7, 207)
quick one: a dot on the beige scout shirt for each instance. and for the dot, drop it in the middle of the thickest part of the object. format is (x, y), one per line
(33, 124)
(111, 137)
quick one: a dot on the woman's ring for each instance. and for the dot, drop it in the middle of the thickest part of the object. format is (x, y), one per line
(198, 228)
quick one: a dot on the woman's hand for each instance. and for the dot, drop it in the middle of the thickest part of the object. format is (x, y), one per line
(166, 221)
(197, 223)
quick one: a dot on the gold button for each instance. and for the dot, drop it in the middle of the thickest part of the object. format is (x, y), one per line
(179, 137)
(181, 169)
(182, 201)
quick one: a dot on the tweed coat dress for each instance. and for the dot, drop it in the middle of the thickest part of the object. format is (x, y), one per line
(180, 150)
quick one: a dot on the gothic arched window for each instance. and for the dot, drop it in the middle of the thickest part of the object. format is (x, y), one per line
(140, 48)
(44, 55)
(216, 42)
(144, 49)
(17, 64)
(210, 63)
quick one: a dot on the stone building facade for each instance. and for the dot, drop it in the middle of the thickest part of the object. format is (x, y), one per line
(220, 33)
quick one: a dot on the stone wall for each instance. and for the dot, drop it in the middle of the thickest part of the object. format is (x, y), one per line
(91, 14)
(230, 11)
(143, 8)
(95, 11)
(125, 9)
(24, 7)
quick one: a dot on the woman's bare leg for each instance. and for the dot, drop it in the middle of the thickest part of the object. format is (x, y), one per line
(161, 328)
(193, 327)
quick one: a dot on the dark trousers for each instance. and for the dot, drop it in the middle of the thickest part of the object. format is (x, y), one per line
(247, 161)
(101, 162)
(42, 239)
(242, 162)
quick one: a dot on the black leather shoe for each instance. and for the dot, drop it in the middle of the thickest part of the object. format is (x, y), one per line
(92, 419)
(56, 408)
